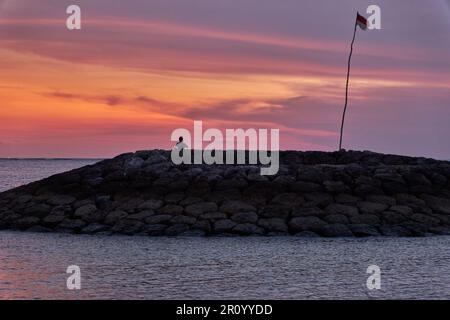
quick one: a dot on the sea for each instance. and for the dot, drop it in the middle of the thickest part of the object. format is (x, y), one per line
(62, 266)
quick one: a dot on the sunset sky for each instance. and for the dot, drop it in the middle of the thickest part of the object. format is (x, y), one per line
(140, 69)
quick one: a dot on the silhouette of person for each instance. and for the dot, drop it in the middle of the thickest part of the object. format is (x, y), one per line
(180, 144)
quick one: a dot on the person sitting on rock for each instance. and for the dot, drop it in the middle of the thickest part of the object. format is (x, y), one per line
(180, 145)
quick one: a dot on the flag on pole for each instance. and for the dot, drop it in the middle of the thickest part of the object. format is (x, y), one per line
(361, 21)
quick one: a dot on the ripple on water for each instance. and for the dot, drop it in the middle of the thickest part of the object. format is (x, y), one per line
(34, 265)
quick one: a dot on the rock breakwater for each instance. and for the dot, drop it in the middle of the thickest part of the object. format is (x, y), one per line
(330, 194)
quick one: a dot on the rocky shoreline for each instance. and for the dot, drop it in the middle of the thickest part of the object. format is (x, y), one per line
(330, 194)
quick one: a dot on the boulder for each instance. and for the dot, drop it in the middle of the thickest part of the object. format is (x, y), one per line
(114, 216)
(371, 207)
(61, 200)
(151, 204)
(72, 224)
(364, 230)
(225, 225)
(245, 217)
(306, 224)
(88, 213)
(171, 209)
(336, 230)
(369, 219)
(303, 187)
(232, 207)
(273, 225)
(94, 228)
(336, 187)
(38, 210)
(128, 227)
(248, 229)
(176, 229)
(342, 209)
(213, 216)
(183, 220)
(200, 208)
(438, 204)
(158, 219)
(336, 218)
(25, 223)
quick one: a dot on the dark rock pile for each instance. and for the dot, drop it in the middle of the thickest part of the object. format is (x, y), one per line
(314, 194)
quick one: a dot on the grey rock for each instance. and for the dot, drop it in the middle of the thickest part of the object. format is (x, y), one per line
(176, 229)
(25, 223)
(183, 220)
(39, 229)
(290, 199)
(392, 218)
(305, 212)
(364, 230)
(273, 225)
(200, 208)
(133, 164)
(155, 229)
(203, 225)
(102, 201)
(437, 204)
(386, 200)
(303, 186)
(158, 219)
(342, 209)
(114, 216)
(193, 233)
(213, 216)
(190, 200)
(61, 200)
(72, 224)
(307, 234)
(225, 225)
(395, 231)
(369, 219)
(306, 224)
(248, 229)
(276, 211)
(54, 218)
(403, 210)
(38, 210)
(245, 217)
(88, 213)
(236, 206)
(318, 199)
(171, 209)
(336, 218)
(152, 204)
(85, 210)
(174, 198)
(344, 198)
(141, 215)
(336, 187)
(94, 228)
(128, 227)
(371, 207)
(425, 220)
(336, 230)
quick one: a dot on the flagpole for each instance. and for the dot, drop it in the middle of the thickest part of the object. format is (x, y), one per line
(346, 86)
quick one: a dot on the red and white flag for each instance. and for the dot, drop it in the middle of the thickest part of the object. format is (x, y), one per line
(361, 21)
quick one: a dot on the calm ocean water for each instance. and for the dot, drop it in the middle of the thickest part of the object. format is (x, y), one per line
(33, 266)
(16, 172)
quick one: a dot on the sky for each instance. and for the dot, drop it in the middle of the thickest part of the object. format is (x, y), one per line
(139, 69)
